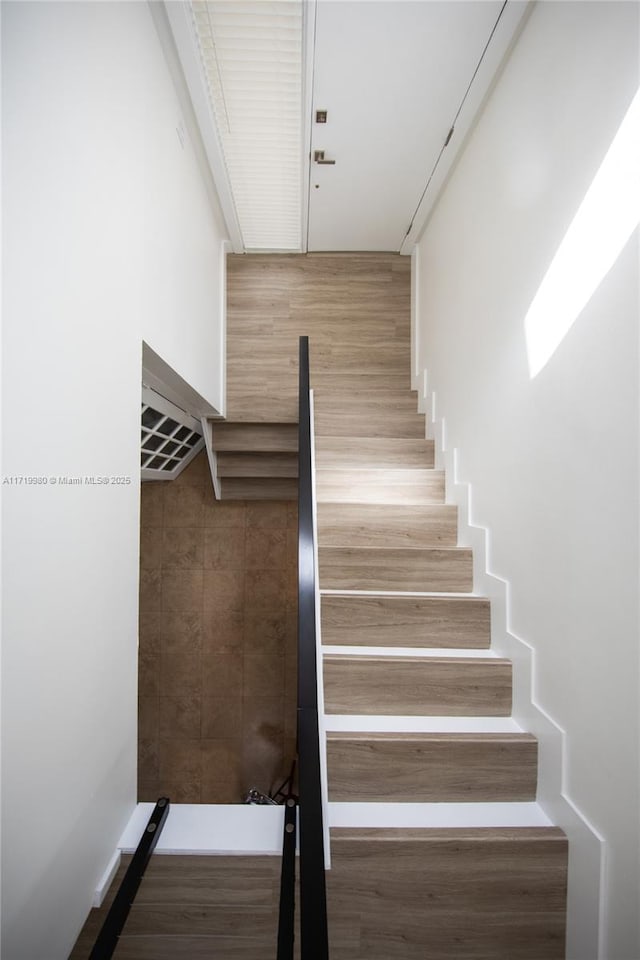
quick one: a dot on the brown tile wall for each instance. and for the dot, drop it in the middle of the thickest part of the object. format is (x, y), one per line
(217, 657)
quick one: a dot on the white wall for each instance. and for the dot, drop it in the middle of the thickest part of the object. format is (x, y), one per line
(109, 239)
(552, 463)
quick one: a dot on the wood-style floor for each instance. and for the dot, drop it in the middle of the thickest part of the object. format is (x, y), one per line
(192, 908)
(380, 891)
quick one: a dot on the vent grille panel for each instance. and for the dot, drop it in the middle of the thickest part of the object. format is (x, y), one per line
(251, 55)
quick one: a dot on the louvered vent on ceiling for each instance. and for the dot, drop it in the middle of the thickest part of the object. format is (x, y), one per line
(251, 54)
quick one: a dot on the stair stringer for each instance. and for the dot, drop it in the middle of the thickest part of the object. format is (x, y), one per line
(588, 860)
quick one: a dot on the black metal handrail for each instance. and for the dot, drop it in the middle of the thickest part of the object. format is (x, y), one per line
(286, 920)
(107, 939)
(313, 897)
(314, 940)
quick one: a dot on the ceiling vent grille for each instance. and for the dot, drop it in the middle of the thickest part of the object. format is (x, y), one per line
(251, 53)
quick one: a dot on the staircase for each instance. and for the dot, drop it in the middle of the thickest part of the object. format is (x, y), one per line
(255, 461)
(438, 848)
(441, 851)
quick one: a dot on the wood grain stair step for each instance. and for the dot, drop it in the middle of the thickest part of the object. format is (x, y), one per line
(383, 414)
(395, 485)
(347, 359)
(365, 397)
(490, 893)
(261, 404)
(213, 920)
(237, 437)
(378, 453)
(406, 621)
(188, 906)
(398, 525)
(434, 767)
(258, 488)
(428, 569)
(260, 464)
(192, 947)
(368, 424)
(347, 385)
(417, 686)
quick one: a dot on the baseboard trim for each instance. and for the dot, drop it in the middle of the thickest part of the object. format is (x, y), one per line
(106, 879)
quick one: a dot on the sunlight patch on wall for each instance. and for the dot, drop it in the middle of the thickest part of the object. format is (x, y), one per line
(599, 231)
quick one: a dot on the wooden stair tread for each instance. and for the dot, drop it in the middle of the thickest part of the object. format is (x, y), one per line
(373, 453)
(399, 525)
(217, 920)
(395, 474)
(254, 408)
(445, 835)
(256, 461)
(250, 436)
(192, 947)
(405, 621)
(417, 686)
(452, 894)
(348, 385)
(383, 401)
(257, 464)
(376, 554)
(369, 424)
(408, 660)
(431, 767)
(429, 569)
(395, 485)
(384, 736)
(258, 488)
(185, 904)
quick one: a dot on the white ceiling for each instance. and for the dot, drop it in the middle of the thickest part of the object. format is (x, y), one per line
(393, 76)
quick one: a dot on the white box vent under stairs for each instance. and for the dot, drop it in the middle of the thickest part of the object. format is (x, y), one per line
(170, 438)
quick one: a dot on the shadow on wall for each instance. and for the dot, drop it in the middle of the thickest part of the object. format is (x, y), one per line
(217, 656)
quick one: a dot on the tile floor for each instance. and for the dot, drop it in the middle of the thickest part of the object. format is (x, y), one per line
(217, 657)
